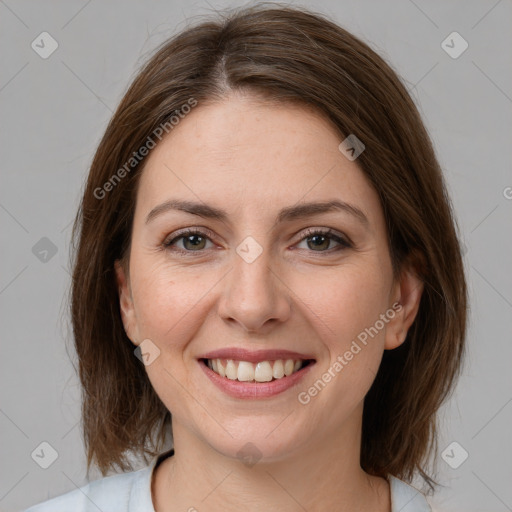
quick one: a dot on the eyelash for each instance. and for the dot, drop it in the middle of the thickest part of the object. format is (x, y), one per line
(309, 233)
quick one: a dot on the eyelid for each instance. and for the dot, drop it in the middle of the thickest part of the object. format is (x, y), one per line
(345, 240)
(341, 239)
(198, 230)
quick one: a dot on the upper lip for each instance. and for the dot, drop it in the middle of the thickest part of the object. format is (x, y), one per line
(253, 356)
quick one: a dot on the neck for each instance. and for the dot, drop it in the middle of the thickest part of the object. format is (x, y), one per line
(323, 474)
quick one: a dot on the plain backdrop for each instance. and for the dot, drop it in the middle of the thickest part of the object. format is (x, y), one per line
(53, 113)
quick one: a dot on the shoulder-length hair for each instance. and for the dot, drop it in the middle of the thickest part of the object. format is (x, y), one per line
(284, 55)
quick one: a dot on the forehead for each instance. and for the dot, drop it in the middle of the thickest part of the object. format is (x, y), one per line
(246, 155)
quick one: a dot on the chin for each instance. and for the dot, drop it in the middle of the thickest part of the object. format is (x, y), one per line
(261, 442)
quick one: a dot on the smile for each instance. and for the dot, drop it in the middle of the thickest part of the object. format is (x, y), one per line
(261, 371)
(255, 380)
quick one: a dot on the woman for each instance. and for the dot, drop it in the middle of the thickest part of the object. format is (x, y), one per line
(265, 249)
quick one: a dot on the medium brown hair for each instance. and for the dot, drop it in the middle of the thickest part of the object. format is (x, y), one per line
(292, 55)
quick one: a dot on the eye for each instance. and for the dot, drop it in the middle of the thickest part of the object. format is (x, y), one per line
(319, 240)
(193, 241)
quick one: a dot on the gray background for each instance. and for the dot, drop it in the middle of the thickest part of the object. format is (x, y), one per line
(54, 112)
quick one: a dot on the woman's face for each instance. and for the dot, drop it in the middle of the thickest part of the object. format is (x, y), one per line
(257, 280)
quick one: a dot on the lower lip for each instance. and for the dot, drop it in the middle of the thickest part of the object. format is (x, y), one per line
(254, 390)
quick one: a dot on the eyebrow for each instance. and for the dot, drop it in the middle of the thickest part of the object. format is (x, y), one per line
(287, 214)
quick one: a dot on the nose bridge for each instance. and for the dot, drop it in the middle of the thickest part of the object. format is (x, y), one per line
(253, 294)
(253, 271)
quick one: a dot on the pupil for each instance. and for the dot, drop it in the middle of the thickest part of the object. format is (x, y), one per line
(316, 237)
(194, 243)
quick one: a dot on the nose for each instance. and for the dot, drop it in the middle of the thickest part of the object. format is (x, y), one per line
(254, 296)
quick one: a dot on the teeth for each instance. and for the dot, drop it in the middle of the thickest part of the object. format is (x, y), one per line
(245, 371)
(221, 369)
(288, 367)
(264, 371)
(278, 371)
(231, 372)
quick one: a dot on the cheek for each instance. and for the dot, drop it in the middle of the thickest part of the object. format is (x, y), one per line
(170, 307)
(170, 302)
(346, 307)
(344, 301)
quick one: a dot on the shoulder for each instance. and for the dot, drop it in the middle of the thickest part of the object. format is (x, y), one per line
(117, 493)
(406, 498)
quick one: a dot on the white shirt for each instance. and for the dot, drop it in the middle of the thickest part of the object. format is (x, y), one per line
(131, 492)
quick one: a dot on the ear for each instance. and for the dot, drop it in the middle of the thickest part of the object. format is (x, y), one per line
(406, 301)
(126, 301)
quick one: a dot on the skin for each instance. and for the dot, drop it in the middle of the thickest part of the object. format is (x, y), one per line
(252, 159)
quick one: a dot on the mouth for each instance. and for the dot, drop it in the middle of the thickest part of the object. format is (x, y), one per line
(255, 374)
(256, 371)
